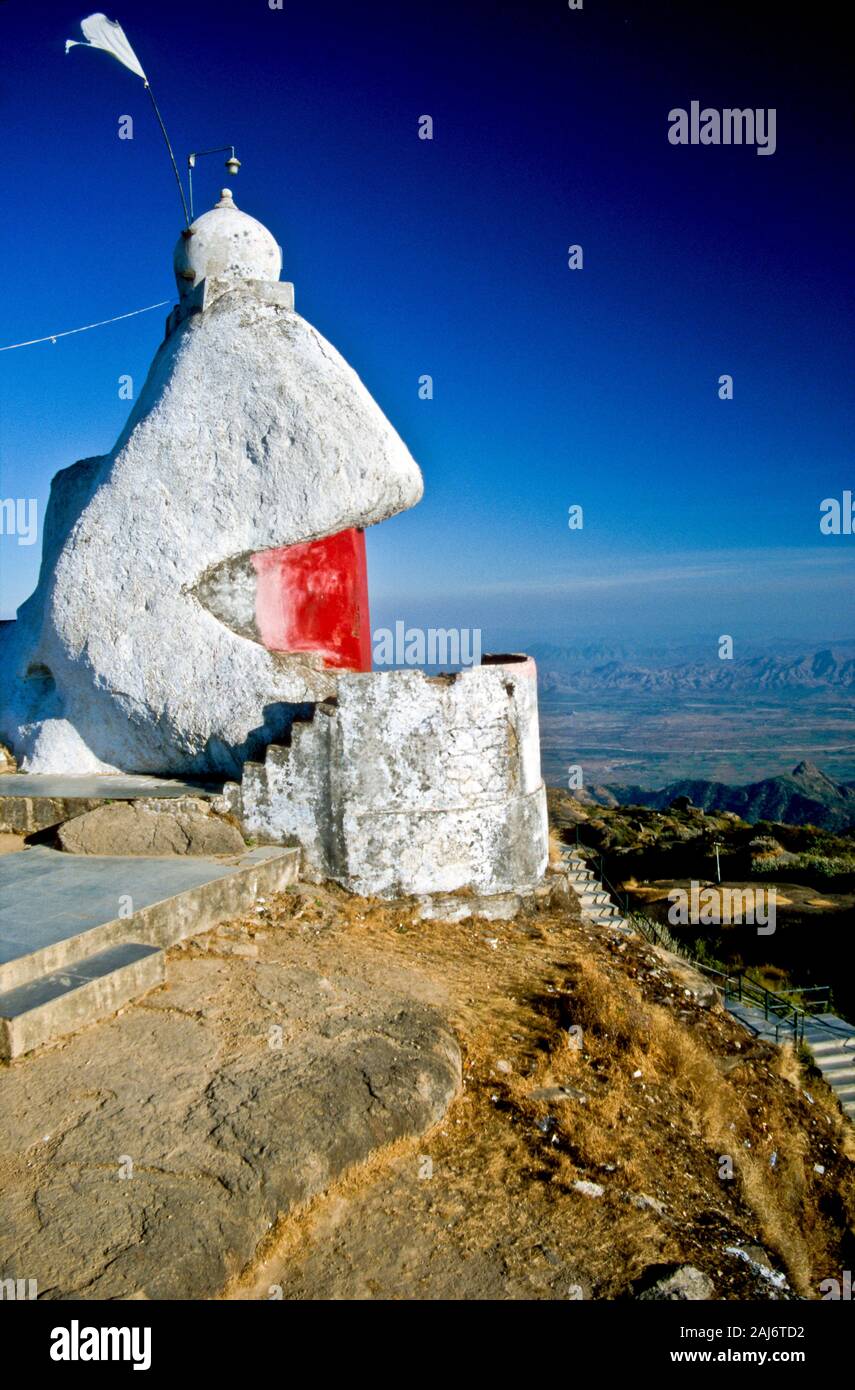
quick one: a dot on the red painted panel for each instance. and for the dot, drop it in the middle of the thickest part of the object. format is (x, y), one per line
(313, 597)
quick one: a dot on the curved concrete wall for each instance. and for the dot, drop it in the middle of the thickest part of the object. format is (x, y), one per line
(411, 784)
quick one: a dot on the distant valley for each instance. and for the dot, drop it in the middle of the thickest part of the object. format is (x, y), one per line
(566, 670)
(651, 719)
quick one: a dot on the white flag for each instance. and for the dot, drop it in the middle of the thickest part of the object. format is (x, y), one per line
(109, 36)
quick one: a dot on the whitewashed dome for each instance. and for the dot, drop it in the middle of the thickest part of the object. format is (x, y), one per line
(227, 245)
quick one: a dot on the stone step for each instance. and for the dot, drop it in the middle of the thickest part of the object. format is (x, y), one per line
(58, 908)
(89, 989)
(613, 923)
(834, 1065)
(832, 1050)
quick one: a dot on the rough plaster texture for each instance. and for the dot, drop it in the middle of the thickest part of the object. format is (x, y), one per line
(411, 784)
(225, 246)
(250, 433)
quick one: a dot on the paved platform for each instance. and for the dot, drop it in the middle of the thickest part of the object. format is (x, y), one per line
(61, 786)
(59, 907)
(59, 911)
(32, 802)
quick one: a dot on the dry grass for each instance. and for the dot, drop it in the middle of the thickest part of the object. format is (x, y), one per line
(669, 1087)
(638, 1064)
(556, 844)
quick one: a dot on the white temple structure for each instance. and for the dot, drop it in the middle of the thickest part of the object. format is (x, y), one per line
(200, 585)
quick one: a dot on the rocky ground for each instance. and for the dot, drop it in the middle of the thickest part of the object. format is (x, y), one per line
(292, 1110)
(589, 1171)
(149, 1155)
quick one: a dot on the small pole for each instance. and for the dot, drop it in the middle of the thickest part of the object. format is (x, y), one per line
(716, 847)
(233, 161)
(171, 155)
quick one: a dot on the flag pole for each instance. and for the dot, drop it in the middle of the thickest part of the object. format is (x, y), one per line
(171, 155)
(109, 36)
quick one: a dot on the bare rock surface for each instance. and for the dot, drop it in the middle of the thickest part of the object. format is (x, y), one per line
(149, 1157)
(185, 826)
(685, 1284)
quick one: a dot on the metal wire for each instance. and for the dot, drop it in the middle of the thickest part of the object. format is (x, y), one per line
(52, 337)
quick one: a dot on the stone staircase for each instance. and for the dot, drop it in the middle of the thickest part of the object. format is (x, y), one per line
(82, 935)
(831, 1040)
(832, 1043)
(596, 904)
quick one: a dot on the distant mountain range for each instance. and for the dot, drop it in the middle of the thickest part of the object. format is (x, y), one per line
(805, 796)
(568, 671)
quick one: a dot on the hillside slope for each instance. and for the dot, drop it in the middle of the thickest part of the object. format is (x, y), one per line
(805, 796)
(564, 1171)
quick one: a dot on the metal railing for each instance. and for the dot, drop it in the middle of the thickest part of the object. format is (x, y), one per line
(780, 1012)
(783, 1013)
(786, 1016)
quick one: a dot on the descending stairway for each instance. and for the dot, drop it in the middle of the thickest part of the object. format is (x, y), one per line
(832, 1043)
(596, 904)
(831, 1040)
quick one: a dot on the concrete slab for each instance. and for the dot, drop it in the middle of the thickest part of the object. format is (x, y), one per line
(60, 908)
(30, 802)
(63, 786)
(64, 1001)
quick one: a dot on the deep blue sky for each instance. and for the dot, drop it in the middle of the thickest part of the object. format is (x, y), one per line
(448, 257)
